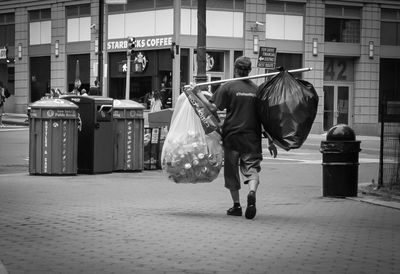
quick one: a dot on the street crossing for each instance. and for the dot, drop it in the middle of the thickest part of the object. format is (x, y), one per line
(306, 156)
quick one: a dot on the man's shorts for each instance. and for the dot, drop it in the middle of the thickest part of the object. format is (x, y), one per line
(249, 164)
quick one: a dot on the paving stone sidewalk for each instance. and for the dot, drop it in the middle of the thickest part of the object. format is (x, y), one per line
(143, 223)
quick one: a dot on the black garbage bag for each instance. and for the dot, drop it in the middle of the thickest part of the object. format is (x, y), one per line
(287, 107)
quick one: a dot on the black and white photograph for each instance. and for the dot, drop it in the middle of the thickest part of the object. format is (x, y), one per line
(199, 136)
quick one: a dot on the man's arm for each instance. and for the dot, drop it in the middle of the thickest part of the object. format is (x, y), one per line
(271, 146)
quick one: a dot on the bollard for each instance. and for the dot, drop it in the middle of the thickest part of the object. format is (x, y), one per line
(340, 162)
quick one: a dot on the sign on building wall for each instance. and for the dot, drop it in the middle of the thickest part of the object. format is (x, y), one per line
(267, 58)
(338, 69)
(141, 43)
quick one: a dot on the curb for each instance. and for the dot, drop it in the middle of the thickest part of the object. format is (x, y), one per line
(376, 198)
(15, 119)
(376, 201)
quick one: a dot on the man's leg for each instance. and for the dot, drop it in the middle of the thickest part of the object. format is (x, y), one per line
(251, 200)
(235, 196)
(250, 168)
(253, 185)
(232, 180)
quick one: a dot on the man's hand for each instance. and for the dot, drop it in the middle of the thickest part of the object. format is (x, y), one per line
(272, 149)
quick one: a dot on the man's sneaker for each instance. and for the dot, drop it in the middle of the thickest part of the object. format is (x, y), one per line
(251, 205)
(235, 211)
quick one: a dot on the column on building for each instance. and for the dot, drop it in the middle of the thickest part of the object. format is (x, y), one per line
(58, 57)
(366, 98)
(314, 52)
(21, 64)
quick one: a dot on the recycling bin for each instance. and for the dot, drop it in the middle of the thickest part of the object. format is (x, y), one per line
(128, 130)
(53, 137)
(95, 137)
(340, 153)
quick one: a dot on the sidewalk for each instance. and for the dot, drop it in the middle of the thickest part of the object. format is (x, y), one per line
(144, 223)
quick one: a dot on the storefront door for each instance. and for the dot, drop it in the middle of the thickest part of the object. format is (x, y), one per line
(40, 77)
(337, 101)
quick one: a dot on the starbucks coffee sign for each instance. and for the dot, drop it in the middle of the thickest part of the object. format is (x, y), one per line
(141, 43)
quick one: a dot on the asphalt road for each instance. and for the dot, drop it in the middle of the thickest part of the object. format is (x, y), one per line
(14, 156)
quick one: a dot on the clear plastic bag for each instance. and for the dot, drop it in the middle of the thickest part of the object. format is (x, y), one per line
(189, 155)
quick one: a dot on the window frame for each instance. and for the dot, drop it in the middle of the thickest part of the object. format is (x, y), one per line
(41, 16)
(395, 21)
(285, 8)
(79, 12)
(238, 6)
(343, 18)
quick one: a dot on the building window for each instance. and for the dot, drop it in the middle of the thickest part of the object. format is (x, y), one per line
(78, 23)
(290, 61)
(390, 27)
(40, 27)
(78, 67)
(389, 89)
(285, 7)
(39, 15)
(140, 5)
(77, 11)
(164, 3)
(284, 20)
(7, 30)
(237, 5)
(136, 5)
(342, 24)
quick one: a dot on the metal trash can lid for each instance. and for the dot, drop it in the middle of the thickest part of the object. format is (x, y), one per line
(87, 99)
(53, 104)
(127, 104)
(341, 132)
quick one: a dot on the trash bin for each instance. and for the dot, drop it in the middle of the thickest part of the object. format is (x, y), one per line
(340, 162)
(53, 137)
(95, 139)
(128, 130)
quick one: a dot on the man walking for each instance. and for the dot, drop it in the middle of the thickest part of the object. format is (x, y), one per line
(241, 134)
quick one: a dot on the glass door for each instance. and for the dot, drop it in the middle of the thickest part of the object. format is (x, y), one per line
(336, 105)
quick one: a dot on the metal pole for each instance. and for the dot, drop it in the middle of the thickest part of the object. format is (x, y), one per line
(100, 53)
(201, 41)
(128, 76)
(176, 62)
(248, 77)
(381, 144)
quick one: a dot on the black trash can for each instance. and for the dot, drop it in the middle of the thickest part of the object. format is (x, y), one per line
(95, 138)
(340, 162)
(53, 137)
(128, 135)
